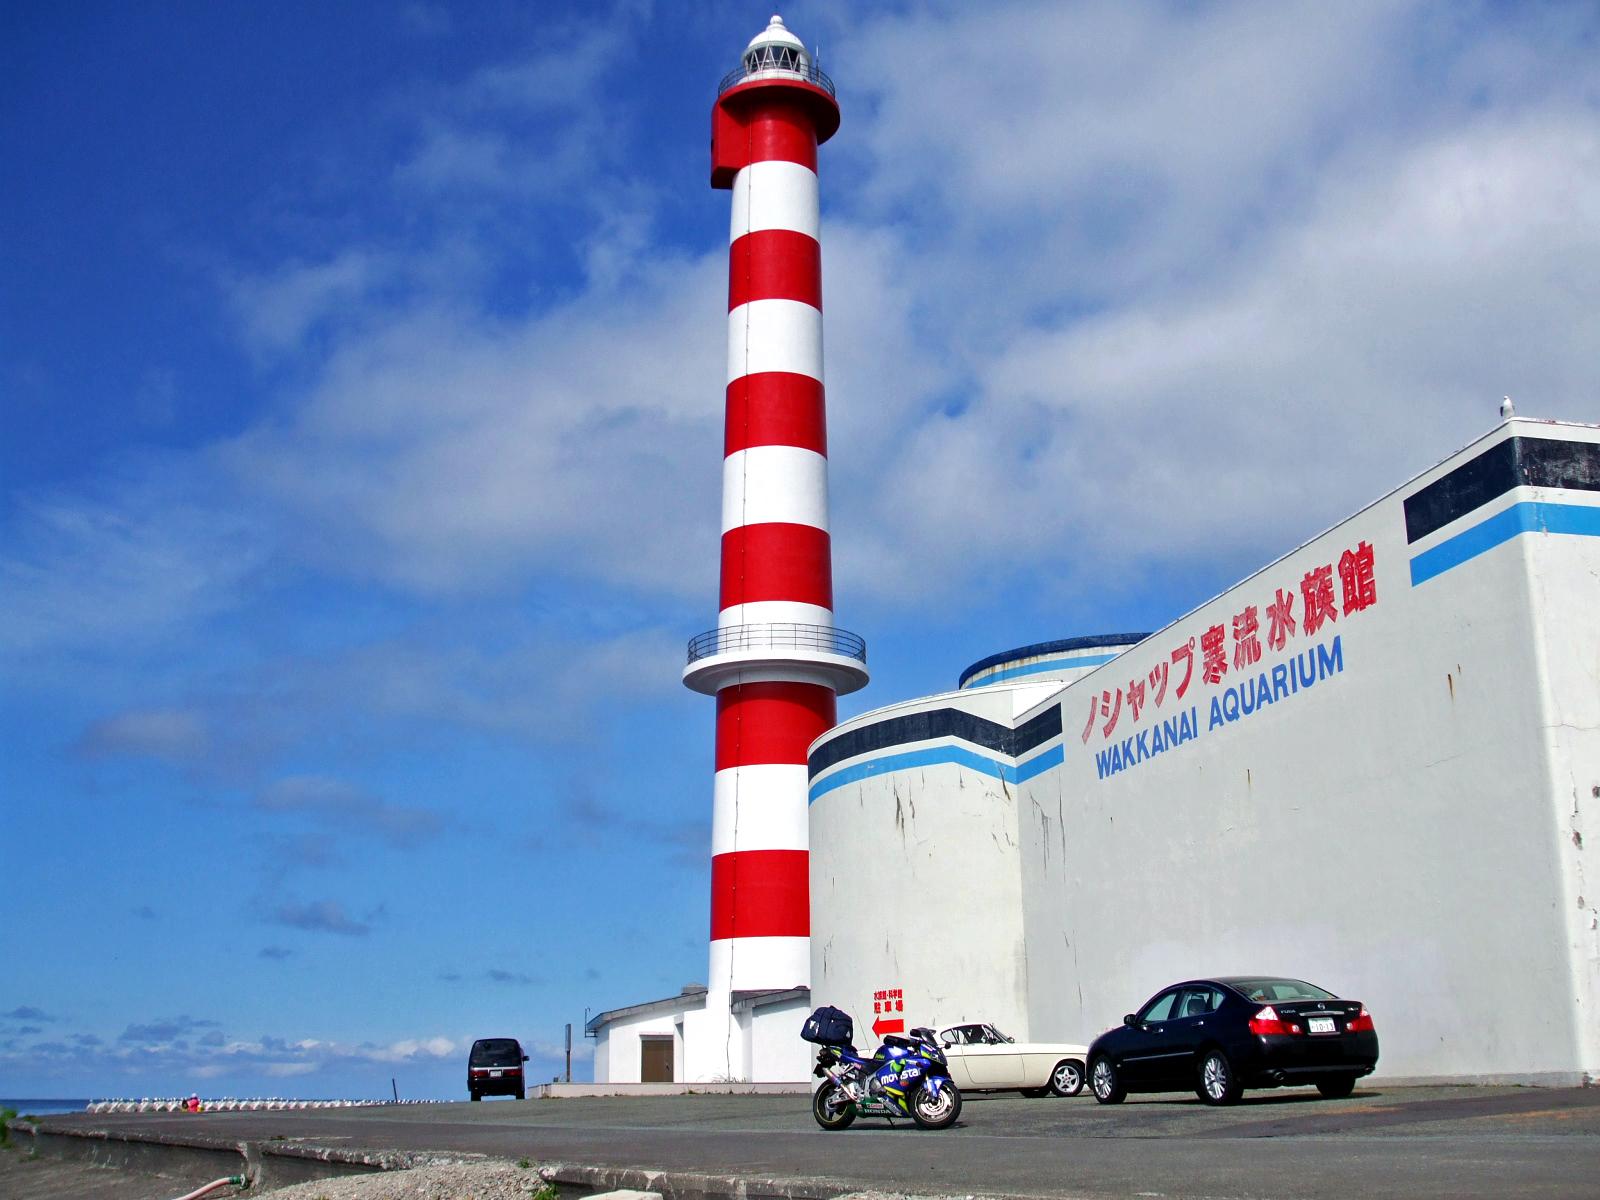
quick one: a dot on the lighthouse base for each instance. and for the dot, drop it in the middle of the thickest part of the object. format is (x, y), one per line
(705, 1037)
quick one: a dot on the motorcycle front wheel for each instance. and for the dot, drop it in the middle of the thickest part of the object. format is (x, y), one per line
(831, 1107)
(936, 1112)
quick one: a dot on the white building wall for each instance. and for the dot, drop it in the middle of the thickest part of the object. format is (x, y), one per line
(1414, 829)
(618, 1057)
(776, 1051)
(1382, 833)
(916, 886)
(713, 1049)
(722, 1043)
(1563, 575)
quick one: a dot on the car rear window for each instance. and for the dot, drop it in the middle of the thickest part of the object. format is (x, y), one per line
(496, 1052)
(1272, 991)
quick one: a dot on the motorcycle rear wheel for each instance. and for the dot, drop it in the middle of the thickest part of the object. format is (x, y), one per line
(936, 1112)
(832, 1108)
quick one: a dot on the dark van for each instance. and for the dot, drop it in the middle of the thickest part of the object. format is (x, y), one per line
(494, 1068)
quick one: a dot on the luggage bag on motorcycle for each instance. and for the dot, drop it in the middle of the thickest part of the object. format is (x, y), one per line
(829, 1027)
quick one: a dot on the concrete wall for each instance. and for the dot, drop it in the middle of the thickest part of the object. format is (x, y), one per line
(1405, 819)
(1563, 574)
(772, 1039)
(915, 882)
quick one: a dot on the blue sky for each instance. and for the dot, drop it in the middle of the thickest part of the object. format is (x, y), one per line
(361, 445)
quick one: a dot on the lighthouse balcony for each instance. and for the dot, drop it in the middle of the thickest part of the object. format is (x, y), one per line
(801, 71)
(774, 651)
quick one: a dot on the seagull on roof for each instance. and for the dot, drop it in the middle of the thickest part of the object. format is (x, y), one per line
(1507, 409)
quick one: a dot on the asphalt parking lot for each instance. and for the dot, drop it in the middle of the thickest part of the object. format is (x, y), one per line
(1412, 1142)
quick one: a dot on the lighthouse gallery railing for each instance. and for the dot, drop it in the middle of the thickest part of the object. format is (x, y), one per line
(809, 73)
(778, 635)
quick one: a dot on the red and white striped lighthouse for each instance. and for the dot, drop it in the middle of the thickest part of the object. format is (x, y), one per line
(776, 661)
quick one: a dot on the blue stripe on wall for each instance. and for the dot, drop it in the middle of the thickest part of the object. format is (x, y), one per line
(936, 756)
(1530, 516)
(1054, 664)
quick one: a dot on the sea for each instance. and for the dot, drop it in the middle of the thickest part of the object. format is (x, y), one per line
(37, 1107)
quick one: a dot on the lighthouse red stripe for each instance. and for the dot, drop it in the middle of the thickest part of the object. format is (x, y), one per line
(775, 408)
(781, 130)
(777, 561)
(761, 893)
(775, 264)
(775, 722)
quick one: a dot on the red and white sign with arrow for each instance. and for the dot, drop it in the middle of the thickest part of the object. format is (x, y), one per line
(890, 1000)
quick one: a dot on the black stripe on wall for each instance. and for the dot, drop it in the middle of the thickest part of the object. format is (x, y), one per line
(937, 723)
(1515, 462)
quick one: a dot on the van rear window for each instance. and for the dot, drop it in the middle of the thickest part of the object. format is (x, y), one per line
(496, 1052)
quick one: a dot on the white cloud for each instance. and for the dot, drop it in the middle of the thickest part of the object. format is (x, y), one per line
(528, 127)
(171, 735)
(1105, 285)
(321, 916)
(444, 453)
(277, 310)
(342, 805)
(134, 558)
(1298, 294)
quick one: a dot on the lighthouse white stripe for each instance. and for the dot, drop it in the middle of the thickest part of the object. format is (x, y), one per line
(775, 335)
(760, 962)
(774, 483)
(775, 195)
(761, 807)
(781, 612)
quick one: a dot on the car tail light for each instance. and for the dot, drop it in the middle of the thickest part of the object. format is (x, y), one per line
(1362, 1023)
(1267, 1021)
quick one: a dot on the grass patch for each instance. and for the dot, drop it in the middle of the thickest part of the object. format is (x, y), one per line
(6, 1114)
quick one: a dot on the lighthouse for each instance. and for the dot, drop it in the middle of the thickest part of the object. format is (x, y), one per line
(776, 660)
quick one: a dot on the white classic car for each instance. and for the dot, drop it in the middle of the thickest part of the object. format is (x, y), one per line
(984, 1059)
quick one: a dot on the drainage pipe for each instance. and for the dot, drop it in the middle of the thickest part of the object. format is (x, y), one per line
(236, 1180)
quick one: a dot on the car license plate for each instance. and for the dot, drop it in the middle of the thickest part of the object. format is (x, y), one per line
(497, 1074)
(1320, 1025)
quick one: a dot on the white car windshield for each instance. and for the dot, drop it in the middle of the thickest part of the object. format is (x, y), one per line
(995, 1036)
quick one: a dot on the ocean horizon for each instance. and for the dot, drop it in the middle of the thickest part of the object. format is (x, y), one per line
(37, 1106)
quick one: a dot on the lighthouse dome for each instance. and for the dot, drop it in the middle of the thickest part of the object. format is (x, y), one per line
(775, 49)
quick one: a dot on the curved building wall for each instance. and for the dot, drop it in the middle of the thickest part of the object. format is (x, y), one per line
(1062, 660)
(916, 880)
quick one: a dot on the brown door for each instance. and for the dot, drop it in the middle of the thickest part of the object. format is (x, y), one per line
(655, 1064)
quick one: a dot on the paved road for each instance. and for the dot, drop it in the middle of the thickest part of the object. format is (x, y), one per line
(1412, 1142)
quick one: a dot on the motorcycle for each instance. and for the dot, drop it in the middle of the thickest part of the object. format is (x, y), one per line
(907, 1077)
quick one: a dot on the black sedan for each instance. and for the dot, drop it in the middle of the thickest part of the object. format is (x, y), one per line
(1220, 1036)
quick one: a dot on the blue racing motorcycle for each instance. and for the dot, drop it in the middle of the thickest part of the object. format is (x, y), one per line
(907, 1077)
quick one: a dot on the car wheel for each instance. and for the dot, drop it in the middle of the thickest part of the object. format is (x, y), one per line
(1336, 1087)
(832, 1108)
(936, 1112)
(522, 1093)
(1106, 1083)
(1067, 1078)
(1217, 1083)
(475, 1096)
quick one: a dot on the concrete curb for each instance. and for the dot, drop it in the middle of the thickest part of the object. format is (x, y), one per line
(199, 1159)
(573, 1179)
(269, 1165)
